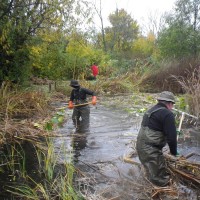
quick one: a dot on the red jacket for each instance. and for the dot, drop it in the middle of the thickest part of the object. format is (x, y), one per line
(95, 70)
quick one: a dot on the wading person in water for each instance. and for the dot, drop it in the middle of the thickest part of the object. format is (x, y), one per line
(157, 129)
(81, 112)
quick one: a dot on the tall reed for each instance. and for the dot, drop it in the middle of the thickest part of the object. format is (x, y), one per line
(191, 86)
(54, 181)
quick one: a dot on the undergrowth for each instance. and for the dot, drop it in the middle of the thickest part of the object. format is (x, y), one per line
(30, 166)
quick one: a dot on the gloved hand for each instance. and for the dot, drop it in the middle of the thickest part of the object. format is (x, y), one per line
(70, 105)
(94, 100)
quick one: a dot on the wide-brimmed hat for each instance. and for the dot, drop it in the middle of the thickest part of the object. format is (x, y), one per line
(74, 83)
(166, 96)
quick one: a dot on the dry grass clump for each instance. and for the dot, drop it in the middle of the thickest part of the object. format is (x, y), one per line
(120, 84)
(20, 111)
(103, 85)
(21, 104)
(115, 86)
(162, 78)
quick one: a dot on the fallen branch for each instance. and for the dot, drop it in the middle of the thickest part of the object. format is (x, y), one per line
(129, 160)
(159, 190)
(181, 160)
(185, 175)
(189, 171)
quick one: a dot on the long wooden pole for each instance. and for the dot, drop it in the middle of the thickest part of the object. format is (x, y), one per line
(83, 104)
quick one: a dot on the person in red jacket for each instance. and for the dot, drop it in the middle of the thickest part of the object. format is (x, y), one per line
(95, 70)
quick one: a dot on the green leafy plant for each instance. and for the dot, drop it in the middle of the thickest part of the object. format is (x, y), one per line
(56, 121)
(181, 103)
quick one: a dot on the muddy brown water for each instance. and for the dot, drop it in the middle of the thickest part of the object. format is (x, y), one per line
(98, 155)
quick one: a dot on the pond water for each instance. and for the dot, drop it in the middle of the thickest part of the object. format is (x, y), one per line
(98, 155)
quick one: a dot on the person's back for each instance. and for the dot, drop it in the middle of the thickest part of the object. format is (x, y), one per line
(95, 70)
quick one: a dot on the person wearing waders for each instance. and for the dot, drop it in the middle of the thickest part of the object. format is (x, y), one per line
(81, 112)
(157, 129)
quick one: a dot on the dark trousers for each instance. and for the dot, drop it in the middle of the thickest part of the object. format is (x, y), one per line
(154, 163)
(151, 156)
(81, 117)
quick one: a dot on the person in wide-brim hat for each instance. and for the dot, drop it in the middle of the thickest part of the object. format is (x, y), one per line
(166, 96)
(81, 111)
(157, 129)
(74, 83)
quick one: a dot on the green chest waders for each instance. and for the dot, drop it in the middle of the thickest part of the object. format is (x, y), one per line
(149, 147)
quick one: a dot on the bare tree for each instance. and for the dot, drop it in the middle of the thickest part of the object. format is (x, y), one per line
(154, 23)
(98, 10)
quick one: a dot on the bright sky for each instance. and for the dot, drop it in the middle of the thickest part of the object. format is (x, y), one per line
(139, 9)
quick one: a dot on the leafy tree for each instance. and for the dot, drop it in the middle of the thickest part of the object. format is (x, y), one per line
(21, 20)
(176, 41)
(80, 55)
(181, 37)
(145, 47)
(123, 31)
(48, 55)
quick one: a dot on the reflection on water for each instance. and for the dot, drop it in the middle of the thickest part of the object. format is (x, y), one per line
(79, 139)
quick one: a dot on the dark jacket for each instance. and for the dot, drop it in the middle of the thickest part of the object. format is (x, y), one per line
(79, 95)
(162, 120)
